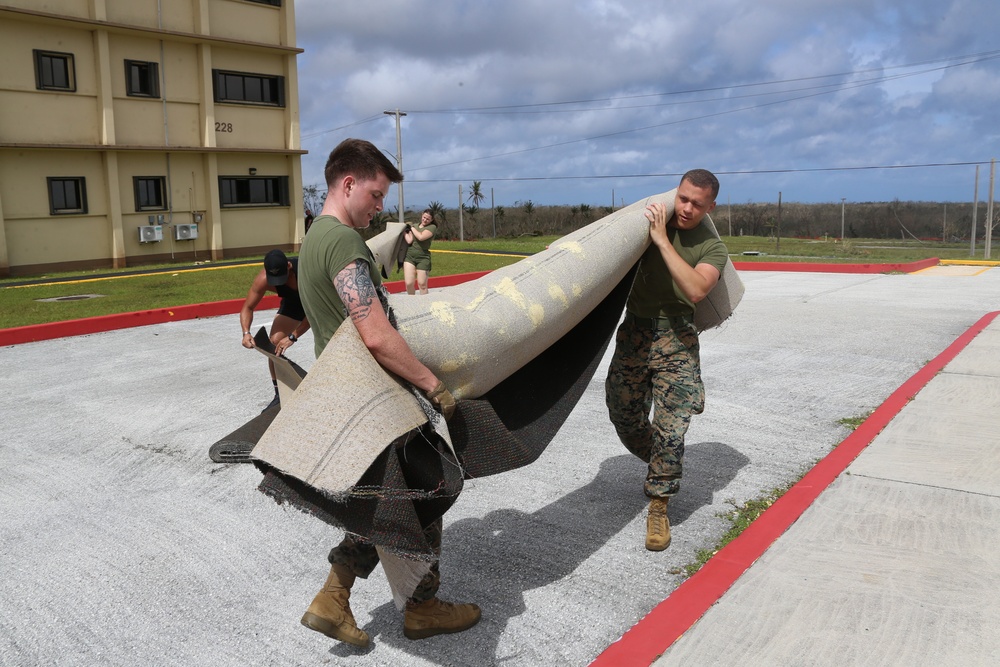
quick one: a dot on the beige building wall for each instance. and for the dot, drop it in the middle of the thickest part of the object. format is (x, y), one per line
(223, 174)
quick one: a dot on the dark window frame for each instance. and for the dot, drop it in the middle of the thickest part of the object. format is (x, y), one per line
(253, 191)
(248, 88)
(59, 203)
(275, 3)
(148, 73)
(46, 78)
(150, 193)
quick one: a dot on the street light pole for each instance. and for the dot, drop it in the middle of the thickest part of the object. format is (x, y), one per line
(975, 210)
(842, 199)
(399, 156)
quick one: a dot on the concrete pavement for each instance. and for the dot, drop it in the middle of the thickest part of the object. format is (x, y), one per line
(123, 544)
(894, 563)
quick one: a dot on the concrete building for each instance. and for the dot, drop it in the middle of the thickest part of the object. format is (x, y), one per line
(141, 131)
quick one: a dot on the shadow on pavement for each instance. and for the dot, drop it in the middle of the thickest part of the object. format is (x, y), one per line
(495, 560)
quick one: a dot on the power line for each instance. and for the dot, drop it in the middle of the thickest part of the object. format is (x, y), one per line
(824, 90)
(508, 109)
(743, 172)
(675, 122)
(342, 127)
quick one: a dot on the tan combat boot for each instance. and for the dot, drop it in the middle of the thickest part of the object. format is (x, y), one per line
(330, 611)
(657, 525)
(434, 617)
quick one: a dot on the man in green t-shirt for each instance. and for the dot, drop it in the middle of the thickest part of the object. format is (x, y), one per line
(656, 359)
(338, 279)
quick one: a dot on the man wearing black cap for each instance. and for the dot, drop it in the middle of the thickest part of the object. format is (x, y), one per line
(279, 275)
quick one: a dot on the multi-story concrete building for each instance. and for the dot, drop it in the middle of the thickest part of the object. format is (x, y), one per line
(139, 131)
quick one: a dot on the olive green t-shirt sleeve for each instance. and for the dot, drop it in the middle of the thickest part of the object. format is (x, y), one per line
(654, 292)
(322, 256)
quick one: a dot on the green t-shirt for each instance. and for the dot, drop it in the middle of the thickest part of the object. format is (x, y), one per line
(654, 292)
(326, 250)
(421, 249)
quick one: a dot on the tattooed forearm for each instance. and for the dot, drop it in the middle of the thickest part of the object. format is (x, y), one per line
(356, 290)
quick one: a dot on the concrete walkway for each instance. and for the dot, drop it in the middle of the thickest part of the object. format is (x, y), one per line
(123, 544)
(898, 561)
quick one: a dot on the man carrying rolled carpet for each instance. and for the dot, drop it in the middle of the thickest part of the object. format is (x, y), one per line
(656, 359)
(338, 279)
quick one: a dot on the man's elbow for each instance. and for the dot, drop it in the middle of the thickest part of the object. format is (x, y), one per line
(702, 292)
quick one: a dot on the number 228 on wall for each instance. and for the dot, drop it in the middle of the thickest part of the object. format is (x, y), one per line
(223, 127)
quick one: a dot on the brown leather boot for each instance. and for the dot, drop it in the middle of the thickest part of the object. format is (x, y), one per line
(657, 525)
(434, 617)
(330, 611)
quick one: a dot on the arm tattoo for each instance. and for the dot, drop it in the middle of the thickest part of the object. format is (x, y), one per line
(355, 287)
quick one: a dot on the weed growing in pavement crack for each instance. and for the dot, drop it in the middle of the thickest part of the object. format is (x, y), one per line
(739, 518)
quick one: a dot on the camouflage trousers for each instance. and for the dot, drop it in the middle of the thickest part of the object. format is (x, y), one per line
(361, 558)
(659, 368)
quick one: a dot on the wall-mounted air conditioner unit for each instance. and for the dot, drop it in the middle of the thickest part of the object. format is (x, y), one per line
(185, 232)
(150, 233)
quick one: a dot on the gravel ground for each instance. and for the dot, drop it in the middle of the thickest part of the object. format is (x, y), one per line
(123, 544)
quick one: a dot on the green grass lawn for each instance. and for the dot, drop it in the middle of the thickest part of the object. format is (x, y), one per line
(21, 305)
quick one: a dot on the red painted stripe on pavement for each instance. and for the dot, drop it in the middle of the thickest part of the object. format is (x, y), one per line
(910, 267)
(654, 634)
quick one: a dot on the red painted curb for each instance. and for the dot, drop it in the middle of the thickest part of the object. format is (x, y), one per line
(910, 267)
(670, 619)
(90, 325)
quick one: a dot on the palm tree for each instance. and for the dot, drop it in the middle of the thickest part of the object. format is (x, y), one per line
(313, 198)
(379, 220)
(529, 208)
(476, 195)
(470, 211)
(437, 210)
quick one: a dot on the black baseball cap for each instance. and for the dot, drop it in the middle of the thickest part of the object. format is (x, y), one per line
(276, 266)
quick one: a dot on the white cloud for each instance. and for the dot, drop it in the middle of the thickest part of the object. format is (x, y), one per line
(600, 71)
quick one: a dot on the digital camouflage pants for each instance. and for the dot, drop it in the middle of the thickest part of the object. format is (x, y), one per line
(655, 367)
(361, 558)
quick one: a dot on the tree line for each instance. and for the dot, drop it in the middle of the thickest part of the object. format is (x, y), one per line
(951, 221)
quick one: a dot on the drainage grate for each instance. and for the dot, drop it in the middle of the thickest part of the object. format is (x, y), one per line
(74, 297)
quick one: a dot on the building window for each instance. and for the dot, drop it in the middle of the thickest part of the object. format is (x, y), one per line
(149, 193)
(276, 3)
(67, 195)
(246, 88)
(54, 71)
(142, 79)
(253, 191)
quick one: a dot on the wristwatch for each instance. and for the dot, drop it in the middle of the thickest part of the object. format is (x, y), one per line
(292, 337)
(246, 333)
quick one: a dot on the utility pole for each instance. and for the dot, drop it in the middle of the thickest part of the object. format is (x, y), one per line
(399, 157)
(493, 212)
(975, 211)
(777, 245)
(989, 210)
(842, 200)
(729, 208)
(461, 227)
(944, 225)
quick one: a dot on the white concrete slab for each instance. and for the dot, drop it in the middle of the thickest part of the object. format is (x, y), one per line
(122, 543)
(896, 562)
(875, 573)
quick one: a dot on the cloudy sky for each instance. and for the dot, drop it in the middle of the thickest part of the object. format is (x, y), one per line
(582, 101)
